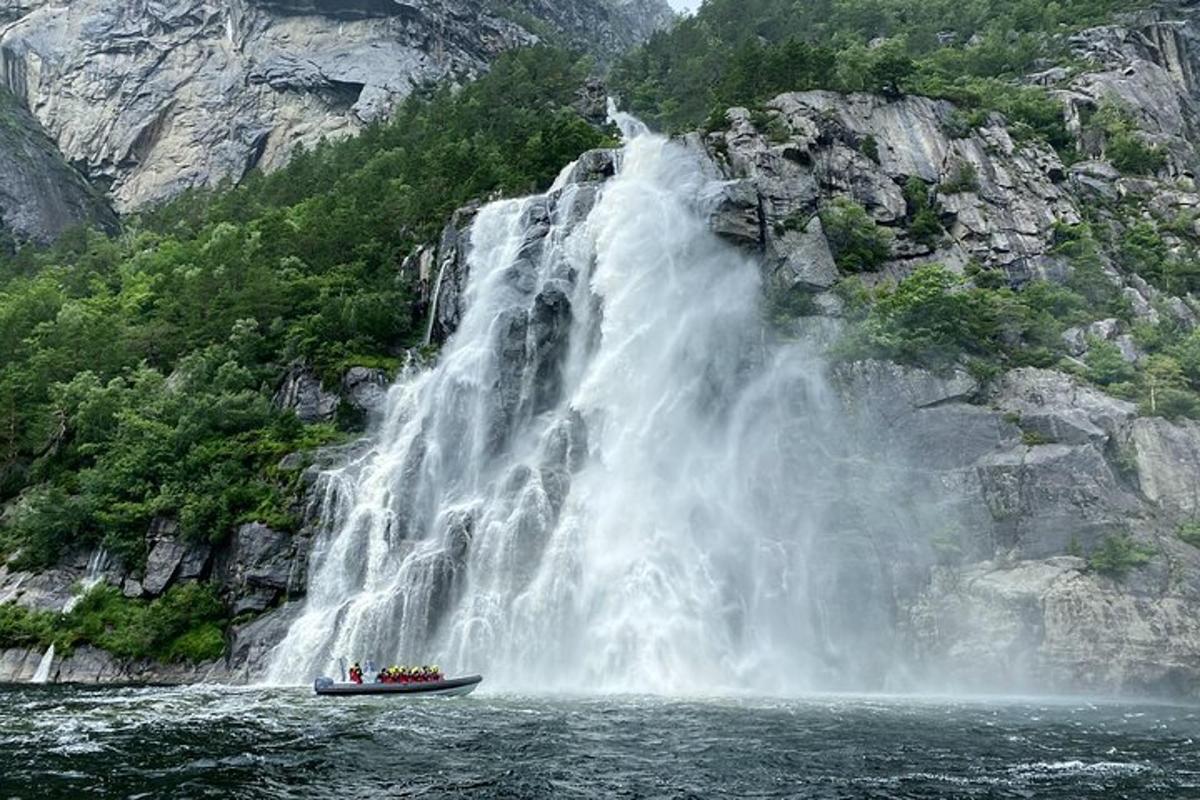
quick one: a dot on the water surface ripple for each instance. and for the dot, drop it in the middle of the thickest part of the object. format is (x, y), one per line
(281, 743)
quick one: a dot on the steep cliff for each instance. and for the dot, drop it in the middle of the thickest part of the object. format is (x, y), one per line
(150, 99)
(1057, 560)
(40, 194)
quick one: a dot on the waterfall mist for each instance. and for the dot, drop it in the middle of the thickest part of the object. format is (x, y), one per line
(612, 480)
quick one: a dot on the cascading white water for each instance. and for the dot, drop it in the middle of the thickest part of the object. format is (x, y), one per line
(609, 481)
(92, 577)
(42, 674)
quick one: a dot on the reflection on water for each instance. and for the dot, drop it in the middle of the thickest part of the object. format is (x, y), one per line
(216, 742)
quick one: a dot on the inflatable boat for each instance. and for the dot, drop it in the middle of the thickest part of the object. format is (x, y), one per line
(448, 687)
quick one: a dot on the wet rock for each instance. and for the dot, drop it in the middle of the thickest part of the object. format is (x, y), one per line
(1059, 407)
(251, 643)
(302, 392)
(365, 389)
(260, 566)
(1048, 499)
(450, 282)
(18, 664)
(50, 590)
(736, 216)
(883, 384)
(166, 554)
(1057, 625)
(804, 258)
(594, 166)
(88, 664)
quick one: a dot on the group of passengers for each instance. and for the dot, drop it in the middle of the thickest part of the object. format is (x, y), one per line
(409, 675)
(398, 674)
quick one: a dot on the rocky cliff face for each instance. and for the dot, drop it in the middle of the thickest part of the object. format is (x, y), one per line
(40, 194)
(1035, 468)
(149, 99)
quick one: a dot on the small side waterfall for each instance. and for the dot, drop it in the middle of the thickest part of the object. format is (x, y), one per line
(610, 481)
(92, 577)
(42, 675)
(434, 297)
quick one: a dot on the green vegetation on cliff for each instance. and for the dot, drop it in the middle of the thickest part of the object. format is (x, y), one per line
(184, 625)
(744, 52)
(138, 371)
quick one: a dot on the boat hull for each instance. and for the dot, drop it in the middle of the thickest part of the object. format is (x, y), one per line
(451, 687)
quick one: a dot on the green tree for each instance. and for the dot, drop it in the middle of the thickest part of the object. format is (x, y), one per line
(857, 243)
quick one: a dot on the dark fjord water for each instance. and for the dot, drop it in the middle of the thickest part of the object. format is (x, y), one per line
(210, 742)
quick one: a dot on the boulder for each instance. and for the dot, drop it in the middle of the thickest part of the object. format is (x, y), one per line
(736, 216)
(302, 392)
(195, 561)
(166, 554)
(365, 389)
(592, 167)
(803, 258)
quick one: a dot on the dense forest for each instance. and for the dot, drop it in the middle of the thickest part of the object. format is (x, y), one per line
(139, 369)
(741, 52)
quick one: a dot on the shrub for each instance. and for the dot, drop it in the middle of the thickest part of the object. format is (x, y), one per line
(182, 625)
(870, 148)
(857, 242)
(924, 221)
(1107, 365)
(931, 318)
(20, 627)
(1119, 554)
(1123, 144)
(965, 178)
(1190, 532)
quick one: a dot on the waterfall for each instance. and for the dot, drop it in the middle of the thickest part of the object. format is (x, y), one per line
(609, 481)
(92, 577)
(42, 675)
(433, 304)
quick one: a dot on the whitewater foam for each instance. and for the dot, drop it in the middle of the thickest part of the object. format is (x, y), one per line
(608, 476)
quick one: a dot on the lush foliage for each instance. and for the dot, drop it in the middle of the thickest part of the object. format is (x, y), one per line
(742, 52)
(935, 318)
(138, 371)
(857, 243)
(185, 624)
(1123, 144)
